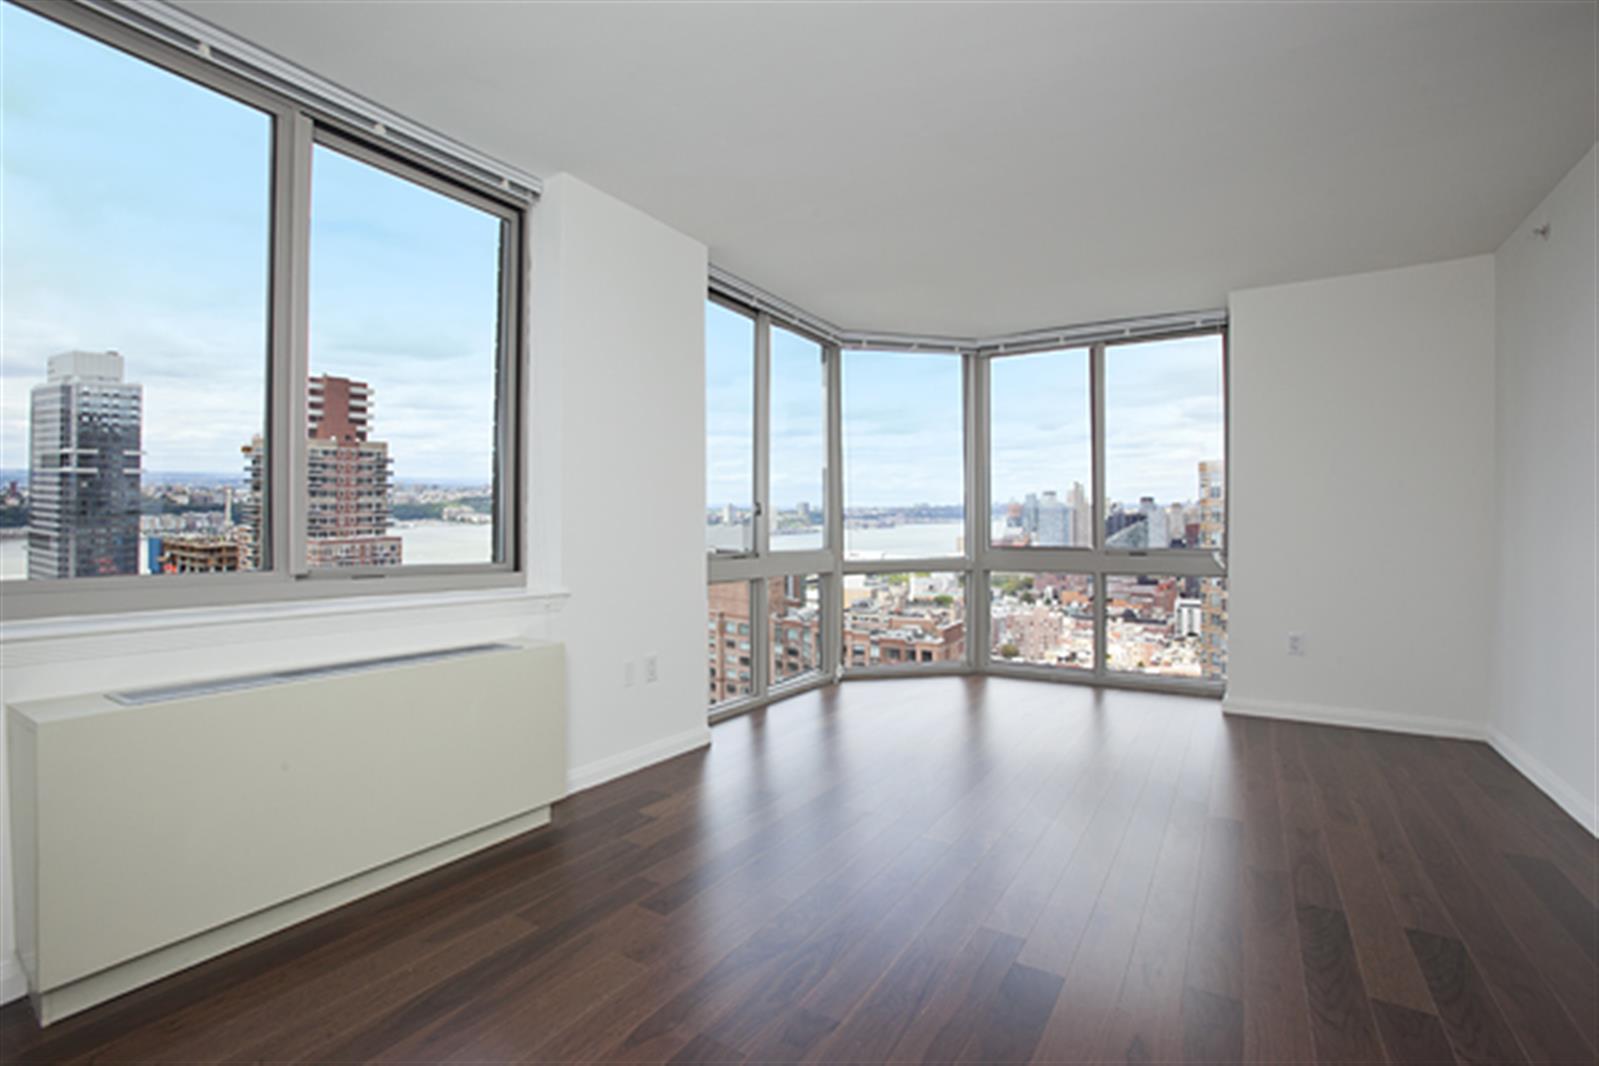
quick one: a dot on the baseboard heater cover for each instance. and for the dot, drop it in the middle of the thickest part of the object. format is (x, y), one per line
(156, 831)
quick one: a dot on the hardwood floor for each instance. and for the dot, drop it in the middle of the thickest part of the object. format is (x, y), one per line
(949, 870)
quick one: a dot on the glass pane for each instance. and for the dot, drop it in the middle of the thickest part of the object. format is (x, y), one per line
(1164, 480)
(1042, 619)
(904, 466)
(729, 429)
(799, 442)
(404, 330)
(1042, 463)
(904, 619)
(136, 222)
(1167, 626)
(794, 604)
(728, 641)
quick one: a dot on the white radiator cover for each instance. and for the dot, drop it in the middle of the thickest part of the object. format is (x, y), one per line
(149, 837)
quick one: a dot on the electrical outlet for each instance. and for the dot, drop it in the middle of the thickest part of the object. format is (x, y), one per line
(652, 668)
(1296, 643)
(627, 673)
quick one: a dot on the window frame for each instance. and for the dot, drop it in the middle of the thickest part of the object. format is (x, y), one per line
(1098, 561)
(760, 563)
(296, 128)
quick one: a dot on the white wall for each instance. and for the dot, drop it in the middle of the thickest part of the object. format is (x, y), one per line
(1362, 500)
(617, 472)
(1545, 645)
(623, 305)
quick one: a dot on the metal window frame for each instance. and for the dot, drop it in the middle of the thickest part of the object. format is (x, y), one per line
(296, 127)
(981, 559)
(759, 565)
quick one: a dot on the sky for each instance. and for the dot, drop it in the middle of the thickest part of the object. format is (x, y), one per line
(135, 216)
(902, 422)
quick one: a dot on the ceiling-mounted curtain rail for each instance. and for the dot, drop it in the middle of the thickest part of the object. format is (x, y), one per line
(736, 289)
(323, 98)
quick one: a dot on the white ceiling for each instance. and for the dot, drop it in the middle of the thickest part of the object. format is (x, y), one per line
(982, 168)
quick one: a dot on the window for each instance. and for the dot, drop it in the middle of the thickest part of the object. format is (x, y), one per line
(904, 456)
(898, 619)
(1166, 626)
(240, 346)
(405, 328)
(799, 442)
(729, 429)
(1041, 450)
(1165, 485)
(136, 301)
(730, 660)
(1042, 619)
(794, 610)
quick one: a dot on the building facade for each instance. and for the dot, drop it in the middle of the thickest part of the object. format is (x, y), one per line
(349, 490)
(84, 450)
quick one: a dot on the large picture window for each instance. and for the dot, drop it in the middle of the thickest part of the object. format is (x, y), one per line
(729, 429)
(1041, 456)
(240, 346)
(904, 456)
(137, 295)
(1164, 439)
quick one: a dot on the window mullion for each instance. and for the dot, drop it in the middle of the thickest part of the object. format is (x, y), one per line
(979, 511)
(833, 517)
(1096, 384)
(286, 452)
(762, 530)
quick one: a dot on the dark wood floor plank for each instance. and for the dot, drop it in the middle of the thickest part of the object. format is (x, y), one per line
(1538, 1021)
(1276, 1009)
(1093, 981)
(1470, 1017)
(1340, 1013)
(1411, 1037)
(1387, 966)
(1052, 937)
(1560, 897)
(1009, 1029)
(1566, 963)
(956, 1005)
(1147, 1022)
(1567, 843)
(938, 870)
(1213, 1028)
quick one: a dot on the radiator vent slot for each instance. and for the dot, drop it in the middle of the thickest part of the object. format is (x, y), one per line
(138, 697)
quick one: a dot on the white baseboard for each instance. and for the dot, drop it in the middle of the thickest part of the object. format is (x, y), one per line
(1355, 717)
(1551, 784)
(608, 769)
(13, 983)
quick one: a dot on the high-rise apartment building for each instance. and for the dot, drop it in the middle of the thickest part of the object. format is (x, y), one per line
(85, 431)
(1212, 502)
(349, 507)
(1082, 516)
(1054, 521)
(348, 492)
(1212, 534)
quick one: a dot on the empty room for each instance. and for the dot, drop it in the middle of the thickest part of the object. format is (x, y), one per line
(756, 532)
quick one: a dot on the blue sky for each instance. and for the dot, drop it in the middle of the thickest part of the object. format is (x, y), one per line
(902, 422)
(135, 216)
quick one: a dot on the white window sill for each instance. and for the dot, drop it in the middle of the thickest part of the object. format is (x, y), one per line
(537, 601)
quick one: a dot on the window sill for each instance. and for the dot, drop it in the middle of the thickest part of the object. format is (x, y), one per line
(537, 601)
